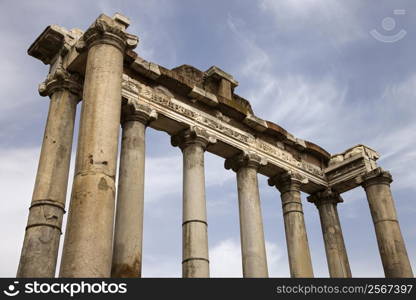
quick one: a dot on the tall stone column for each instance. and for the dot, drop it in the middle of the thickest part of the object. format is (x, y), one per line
(289, 185)
(193, 143)
(251, 222)
(43, 230)
(88, 242)
(127, 256)
(336, 253)
(383, 211)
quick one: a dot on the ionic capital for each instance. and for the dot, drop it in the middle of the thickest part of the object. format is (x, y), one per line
(60, 80)
(245, 159)
(287, 181)
(327, 196)
(192, 135)
(107, 30)
(132, 110)
(377, 176)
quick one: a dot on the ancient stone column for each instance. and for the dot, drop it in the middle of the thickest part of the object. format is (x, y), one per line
(128, 231)
(289, 185)
(251, 222)
(43, 230)
(336, 253)
(88, 242)
(389, 237)
(193, 143)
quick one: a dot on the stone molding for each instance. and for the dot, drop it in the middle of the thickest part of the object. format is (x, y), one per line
(106, 30)
(288, 181)
(327, 196)
(61, 80)
(245, 159)
(54, 40)
(192, 135)
(221, 127)
(346, 169)
(376, 176)
(132, 110)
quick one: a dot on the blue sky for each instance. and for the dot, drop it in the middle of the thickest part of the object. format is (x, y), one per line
(311, 66)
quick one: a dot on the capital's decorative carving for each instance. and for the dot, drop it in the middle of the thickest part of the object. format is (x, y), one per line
(287, 181)
(60, 80)
(376, 176)
(245, 159)
(192, 135)
(133, 110)
(325, 197)
(108, 30)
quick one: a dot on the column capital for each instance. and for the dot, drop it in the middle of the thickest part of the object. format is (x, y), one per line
(60, 80)
(325, 197)
(192, 135)
(133, 110)
(287, 181)
(108, 30)
(377, 176)
(247, 159)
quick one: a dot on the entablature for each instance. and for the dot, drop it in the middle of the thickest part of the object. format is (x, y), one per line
(185, 97)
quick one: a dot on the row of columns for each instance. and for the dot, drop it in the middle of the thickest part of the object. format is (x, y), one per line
(89, 249)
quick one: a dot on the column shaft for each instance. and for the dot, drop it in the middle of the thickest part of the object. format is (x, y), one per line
(88, 240)
(128, 236)
(41, 242)
(253, 249)
(251, 224)
(296, 238)
(389, 237)
(127, 257)
(336, 253)
(195, 235)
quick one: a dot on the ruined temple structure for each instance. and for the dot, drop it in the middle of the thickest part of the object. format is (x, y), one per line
(201, 112)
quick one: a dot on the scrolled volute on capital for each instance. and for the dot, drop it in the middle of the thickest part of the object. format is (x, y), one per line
(133, 110)
(245, 159)
(325, 196)
(60, 80)
(107, 30)
(191, 135)
(287, 180)
(376, 176)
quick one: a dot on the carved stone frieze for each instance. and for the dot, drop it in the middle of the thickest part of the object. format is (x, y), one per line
(220, 127)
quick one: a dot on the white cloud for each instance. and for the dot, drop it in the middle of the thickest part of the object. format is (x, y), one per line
(335, 20)
(225, 259)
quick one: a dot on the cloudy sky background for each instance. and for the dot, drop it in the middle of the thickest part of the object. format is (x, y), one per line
(310, 66)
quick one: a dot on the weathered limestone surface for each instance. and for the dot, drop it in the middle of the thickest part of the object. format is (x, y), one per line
(193, 143)
(43, 231)
(336, 253)
(251, 222)
(296, 238)
(41, 243)
(88, 240)
(345, 169)
(128, 232)
(383, 211)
